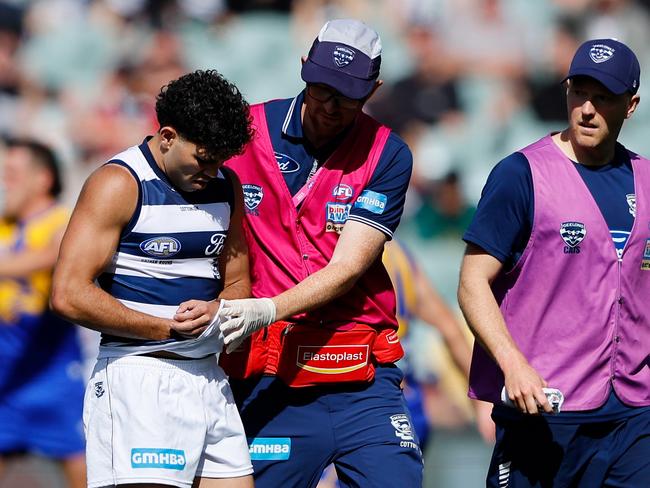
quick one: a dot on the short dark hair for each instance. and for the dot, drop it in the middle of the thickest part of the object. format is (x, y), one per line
(43, 156)
(207, 110)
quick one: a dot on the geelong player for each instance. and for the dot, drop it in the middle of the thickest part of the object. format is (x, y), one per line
(554, 284)
(157, 226)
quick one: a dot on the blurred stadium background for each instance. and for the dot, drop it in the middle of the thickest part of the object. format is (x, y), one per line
(466, 83)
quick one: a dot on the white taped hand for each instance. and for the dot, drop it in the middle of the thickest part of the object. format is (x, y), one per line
(240, 318)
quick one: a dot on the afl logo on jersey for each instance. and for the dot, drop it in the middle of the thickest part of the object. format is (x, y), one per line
(286, 164)
(161, 247)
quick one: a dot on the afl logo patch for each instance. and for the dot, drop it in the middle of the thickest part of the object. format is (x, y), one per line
(573, 233)
(342, 192)
(286, 164)
(253, 195)
(599, 53)
(161, 247)
(342, 56)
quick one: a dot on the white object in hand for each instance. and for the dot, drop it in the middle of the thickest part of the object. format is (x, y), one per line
(553, 395)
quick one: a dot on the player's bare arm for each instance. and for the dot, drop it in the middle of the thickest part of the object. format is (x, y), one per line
(106, 204)
(233, 262)
(523, 384)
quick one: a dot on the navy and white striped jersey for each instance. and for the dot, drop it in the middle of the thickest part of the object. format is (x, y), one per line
(168, 253)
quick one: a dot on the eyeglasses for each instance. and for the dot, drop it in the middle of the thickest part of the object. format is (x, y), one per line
(324, 95)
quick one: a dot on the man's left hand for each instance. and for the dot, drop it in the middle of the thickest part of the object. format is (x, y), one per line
(240, 318)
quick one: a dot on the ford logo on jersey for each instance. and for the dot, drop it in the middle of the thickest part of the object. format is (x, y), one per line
(286, 164)
(161, 247)
(147, 457)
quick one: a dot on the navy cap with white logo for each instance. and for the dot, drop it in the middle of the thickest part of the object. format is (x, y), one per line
(346, 55)
(608, 61)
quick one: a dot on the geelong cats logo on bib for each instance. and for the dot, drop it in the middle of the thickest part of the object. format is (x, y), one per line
(572, 234)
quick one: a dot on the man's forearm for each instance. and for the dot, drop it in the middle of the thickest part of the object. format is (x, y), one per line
(486, 322)
(315, 291)
(95, 309)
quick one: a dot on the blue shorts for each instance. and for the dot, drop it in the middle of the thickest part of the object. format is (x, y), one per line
(531, 452)
(364, 430)
(41, 398)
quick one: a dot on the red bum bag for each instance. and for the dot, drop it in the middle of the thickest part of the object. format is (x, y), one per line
(306, 355)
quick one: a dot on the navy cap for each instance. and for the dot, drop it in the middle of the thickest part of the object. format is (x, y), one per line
(346, 56)
(609, 61)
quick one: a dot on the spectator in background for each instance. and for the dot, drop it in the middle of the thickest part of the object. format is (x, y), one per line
(444, 210)
(486, 40)
(41, 379)
(625, 20)
(426, 96)
(11, 29)
(545, 89)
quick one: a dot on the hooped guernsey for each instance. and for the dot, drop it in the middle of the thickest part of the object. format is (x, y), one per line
(575, 309)
(290, 238)
(168, 253)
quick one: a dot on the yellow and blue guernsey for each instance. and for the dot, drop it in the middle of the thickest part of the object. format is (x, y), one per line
(41, 383)
(401, 268)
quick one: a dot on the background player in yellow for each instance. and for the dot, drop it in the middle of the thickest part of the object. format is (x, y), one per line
(41, 379)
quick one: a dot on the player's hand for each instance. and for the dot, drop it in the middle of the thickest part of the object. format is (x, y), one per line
(240, 318)
(193, 317)
(524, 387)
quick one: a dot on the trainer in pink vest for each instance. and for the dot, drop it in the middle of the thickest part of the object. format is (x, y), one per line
(579, 315)
(287, 244)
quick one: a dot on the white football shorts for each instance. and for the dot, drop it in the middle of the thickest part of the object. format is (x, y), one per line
(150, 420)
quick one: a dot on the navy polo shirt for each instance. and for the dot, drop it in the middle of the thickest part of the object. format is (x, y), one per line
(298, 161)
(504, 216)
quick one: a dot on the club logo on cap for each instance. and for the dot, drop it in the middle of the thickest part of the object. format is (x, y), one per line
(342, 56)
(599, 53)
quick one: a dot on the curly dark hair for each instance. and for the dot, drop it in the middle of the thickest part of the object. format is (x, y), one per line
(207, 110)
